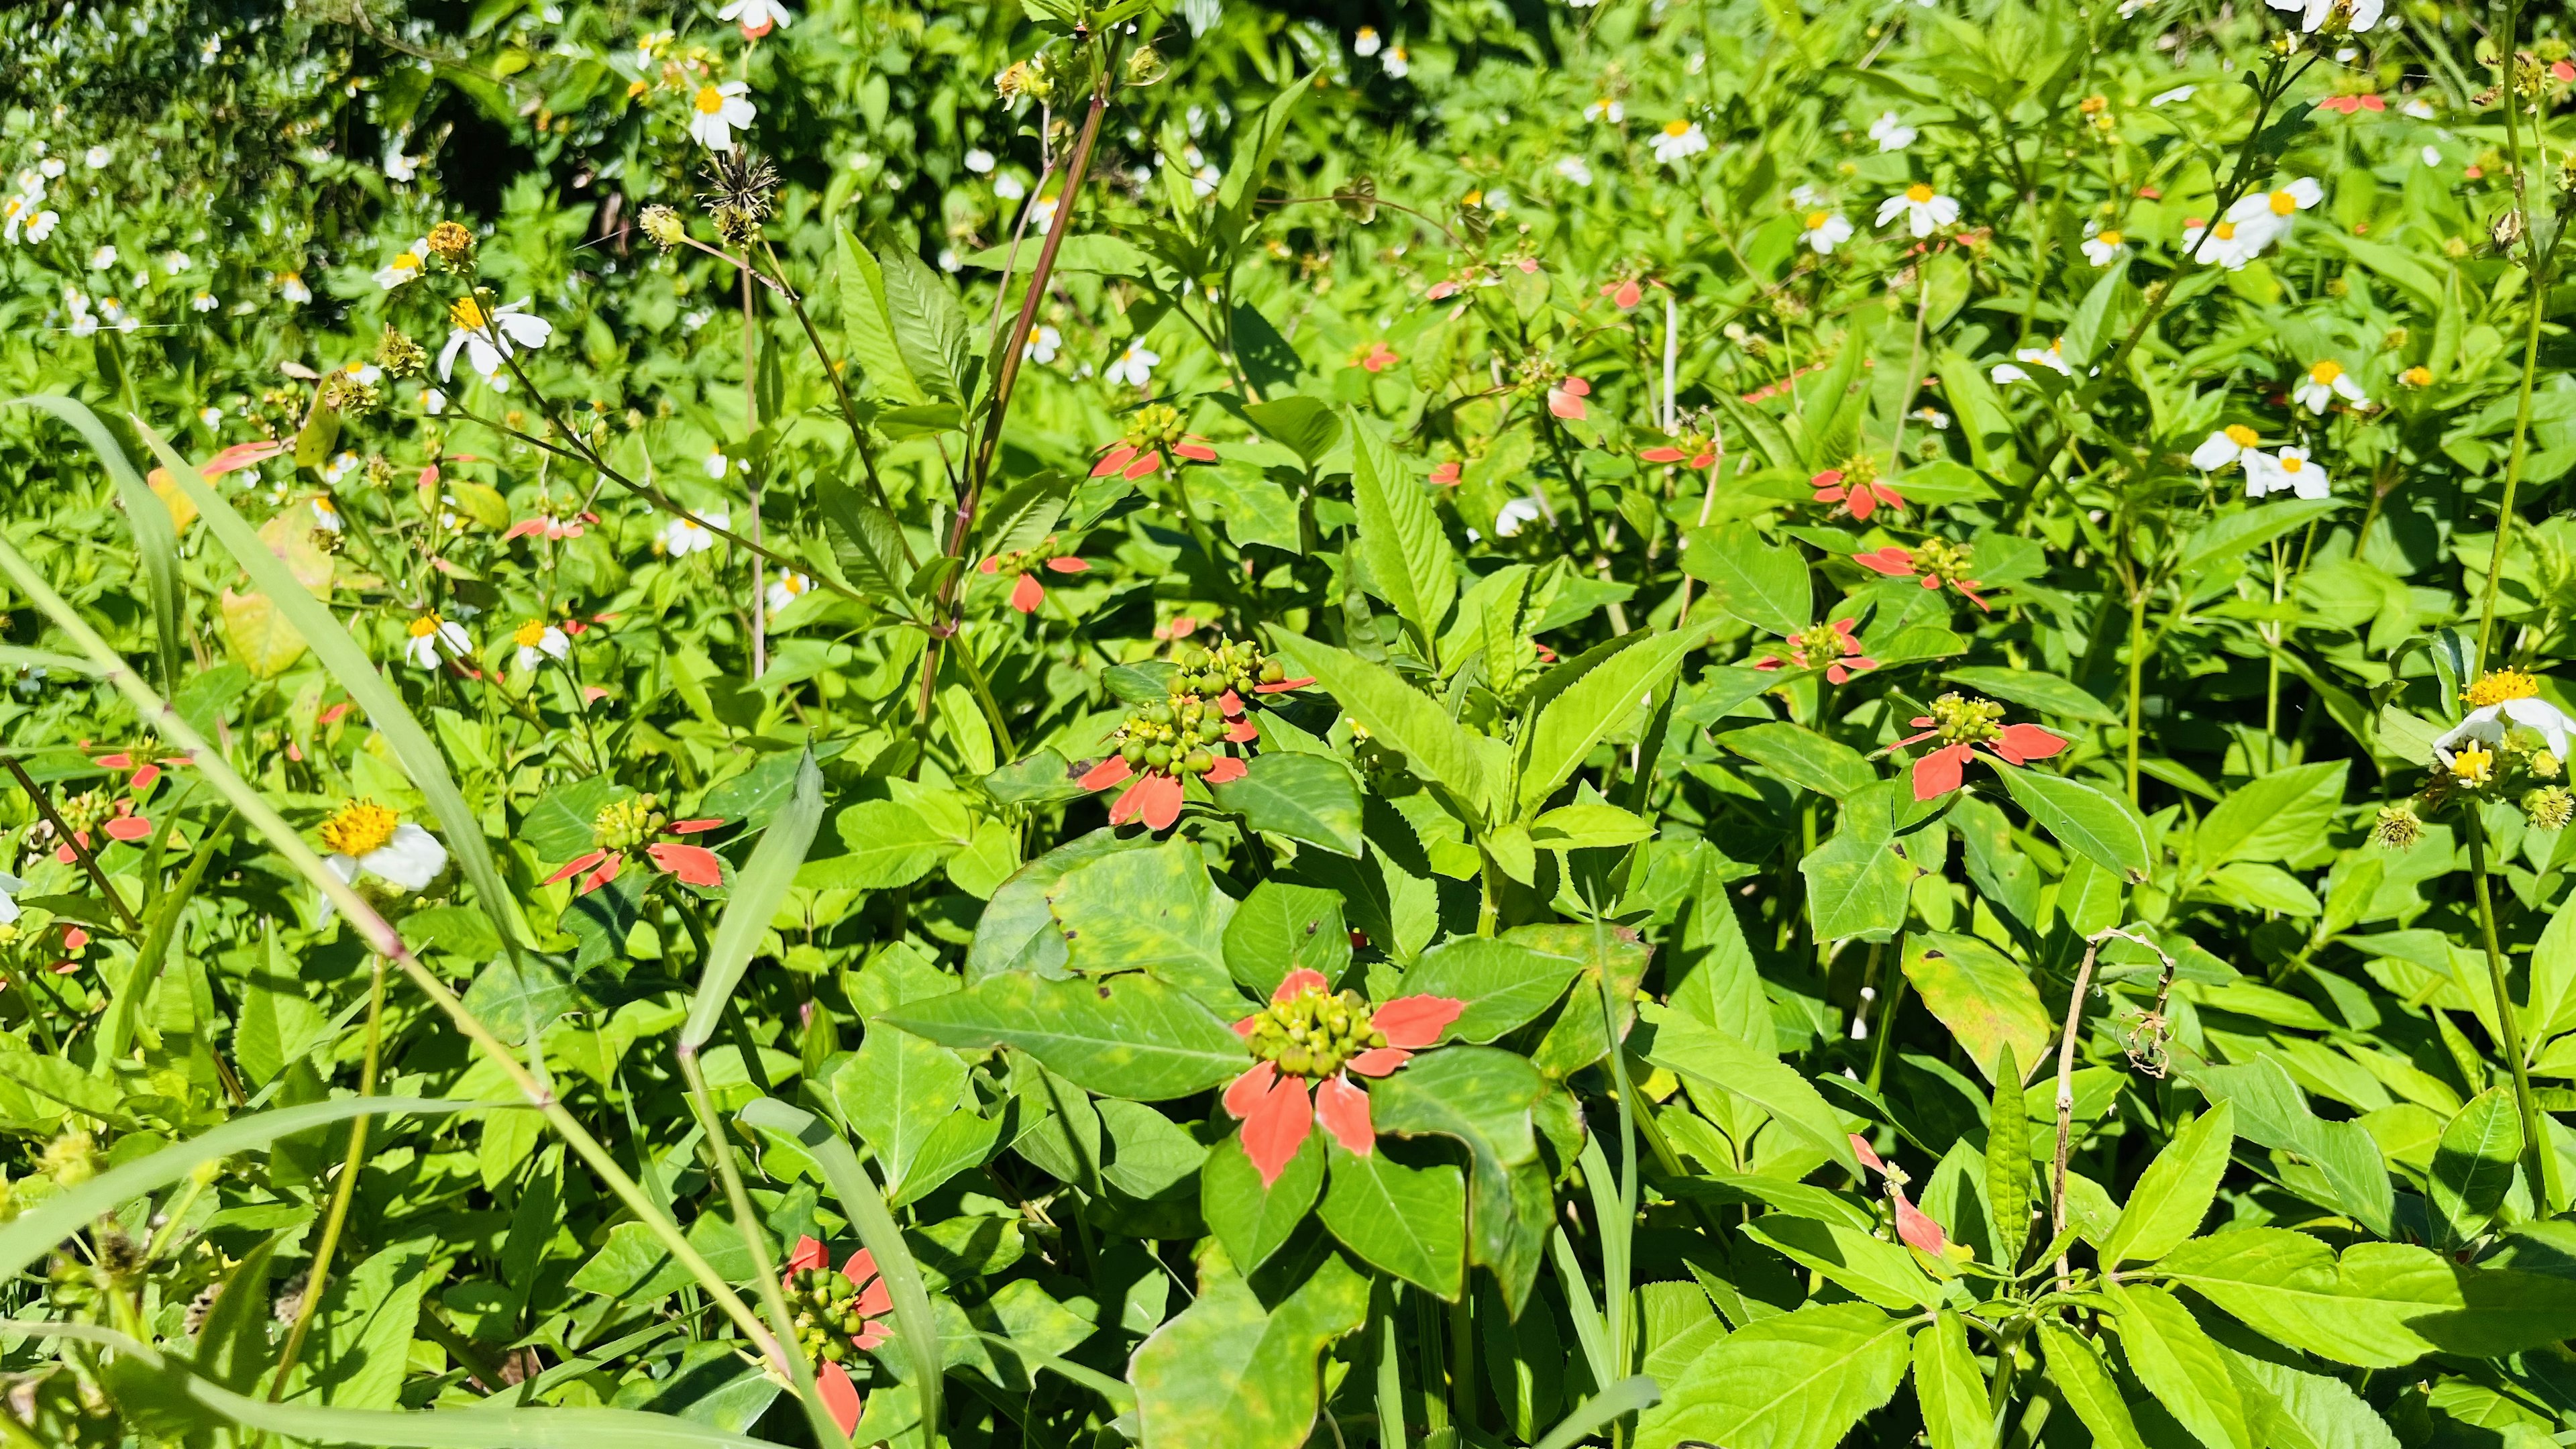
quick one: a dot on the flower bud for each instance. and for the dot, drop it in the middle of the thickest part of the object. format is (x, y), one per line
(664, 226)
(452, 243)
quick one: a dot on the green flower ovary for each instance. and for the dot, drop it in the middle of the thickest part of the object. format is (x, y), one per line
(1948, 562)
(1172, 738)
(1156, 427)
(1816, 647)
(1964, 719)
(1234, 664)
(628, 823)
(1313, 1033)
(824, 1306)
(87, 811)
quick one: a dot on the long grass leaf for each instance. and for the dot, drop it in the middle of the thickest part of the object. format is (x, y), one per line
(356, 673)
(1627, 1396)
(156, 542)
(757, 891)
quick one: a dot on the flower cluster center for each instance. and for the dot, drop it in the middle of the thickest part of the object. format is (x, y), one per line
(1233, 664)
(824, 1306)
(1939, 559)
(1816, 646)
(1155, 427)
(1172, 737)
(628, 823)
(2498, 685)
(360, 829)
(1313, 1033)
(1964, 719)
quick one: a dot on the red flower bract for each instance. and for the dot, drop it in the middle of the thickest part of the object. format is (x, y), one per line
(1276, 1111)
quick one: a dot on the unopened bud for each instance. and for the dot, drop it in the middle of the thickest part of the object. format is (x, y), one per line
(664, 226)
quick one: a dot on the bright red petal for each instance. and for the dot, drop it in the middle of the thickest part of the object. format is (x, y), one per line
(1302, 979)
(1162, 802)
(692, 864)
(1277, 1128)
(1146, 466)
(1918, 1230)
(1242, 732)
(239, 455)
(1344, 1111)
(575, 866)
(1226, 767)
(1195, 452)
(1245, 1027)
(1107, 773)
(1069, 565)
(809, 1254)
(1378, 1061)
(1117, 458)
(1661, 455)
(1862, 504)
(990, 565)
(145, 778)
(117, 761)
(1830, 478)
(693, 827)
(1566, 403)
(127, 827)
(1938, 773)
(1129, 801)
(1416, 1021)
(1245, 1093)
(607, 872)
(839, 1395)
(2023, 743)
(1027, 594)
(1867, 1154)
(1891, 561)
(1628, 295)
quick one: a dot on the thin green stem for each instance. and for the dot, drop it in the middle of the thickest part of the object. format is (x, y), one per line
(2137, 680)
(2535, 1142)
(319, 1276)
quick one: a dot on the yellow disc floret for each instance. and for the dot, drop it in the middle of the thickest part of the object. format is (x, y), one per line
(2474, 764)
(2498, 685)
(360, 830)
(1313, 1033)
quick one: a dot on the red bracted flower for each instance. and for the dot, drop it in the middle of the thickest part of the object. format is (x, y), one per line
(1374, 358)
(1308, 1035)
(1855, 486)
(1447, 474)
(1625, 295)
(1028, 593)
(549, 527)
(1829, 647)
(837, 1315)
(94, 813)
(2350, 104)
(1934, 562)
(1962, 723)
(1153, 431)
(622, 826)
(1161, 746)
(1913, 1225)
(1699, 450)
(1565, 399)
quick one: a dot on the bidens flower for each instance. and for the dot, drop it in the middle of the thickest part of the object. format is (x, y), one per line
(539, 641)
(2229, 244)
(404, 267)
(368, 840)
(1679, 139)
(2325, 382)
(2334, 17)
(1308, 1034)
(2500, 700)
(2230, 444)
(1134, 367)
(1825, 231)
(2290, 472)
(756, 17)
(789, 587)
(717, 111)
(1923, 209)
(1890, 133)
(682, 537)
(2102, 248)
(428, 633)
(489, 338)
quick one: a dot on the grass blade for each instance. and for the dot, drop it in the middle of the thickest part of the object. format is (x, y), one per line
(156, 542)
(1627, 1396)
(356, 673)
(757, 892)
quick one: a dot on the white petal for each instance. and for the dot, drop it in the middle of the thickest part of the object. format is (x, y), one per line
(412, 859)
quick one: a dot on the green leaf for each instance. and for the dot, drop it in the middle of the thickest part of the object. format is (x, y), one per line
(2383, 1305)
(1226, 1372)
(2230, 537)
(1763, 584)
(361, 1345)
(2103, 828)
(1410, 563)
(1723, 1062)
(1958, 1412)
(1587, 825)
(1882, 1272)
(929, 330)
(1628, 1396)
(2301, 1410)
(1986, 1000)
(1018, 931)
(520, 999)
(866, 546)
(1797, 1380)
(460, 827)
(1253, 153)
(2178, 1363)
(1396, 715)
(2473, 1164)
(1584, 712)
(1484, 1098)
(889, 844)
(635, 1265)
(1502, 985)
(2174, 1193)
(2008, 1160)
(759, 889)
(2034, 690)
(1307, 426)
(1096, 253)
(1254, 1222)
(233, 1343)
(2076, 1369)
(2274, 818)
(1154, 911)
(1313, 799)
(2552, 1006)
(1407, 1221)
(156, 540)
(1127, 1036)
(1281, 928)
(1802, 757)
(868, 326)
(896, 1093)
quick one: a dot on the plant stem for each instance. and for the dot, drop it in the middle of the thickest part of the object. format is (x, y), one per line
(2137, 674)
(2535, 1144)
(63, 833)
(319, 1276)
(2513, 469)
(840, 391)
(751, 477)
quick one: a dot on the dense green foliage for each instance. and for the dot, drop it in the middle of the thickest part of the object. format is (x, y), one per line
(1086, 724)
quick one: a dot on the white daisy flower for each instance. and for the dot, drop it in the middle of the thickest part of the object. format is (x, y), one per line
(2325, 382)
(325, 517)
(428, 634)
(339, 466)
(176, 262)
(489, 339)
(1890, 133)
(1806, 196)
(2358, 15)
(717, 111)
(786, 589)
(1573, 169)
(1009, 187)
(399, 167)
(1043, 344)
(1365, 43)
(1042, 214)
(1825, 231)
(98, 157)
(2102, 248)
(979, 160)
(1135, 366)
(102, 259)
(432, 401)
(1612, 112)
(84, 322)
(717, 462)
(1398, 64)
(52, 166)
(366, 839)
(756, 17)
(1679, 139)
(406, 265)
(2417, 107)
(2230, 244)
(1516, 515)
(211, 416)
(2052, 357)
(1924, 210)
(682, 537)
(2290, 472)
(539, 641)
(1203, 182)
(42, 225)
(290, 285)
(2231, 444)
(2487, 724)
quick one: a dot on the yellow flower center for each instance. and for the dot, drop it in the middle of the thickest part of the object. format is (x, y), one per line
(2292, 465)
(1472, 198)
(323, 505)
(2109, 238)
(531, 634)
(468, 315)
(1918, 193)
(1815, 221)
(2241, 435)
(360, 830)
(424, 626)
(2226, 231)
(1676, 128)
(2474, 764)
(2417, 376)
(2283, 203)
(406, 262)
(710, 100)
(2325, 372)
(2498, 685)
